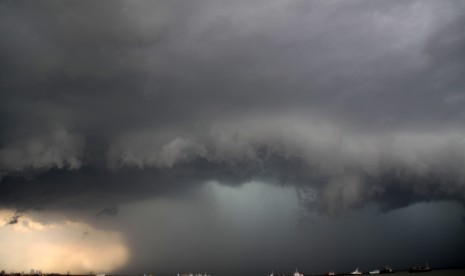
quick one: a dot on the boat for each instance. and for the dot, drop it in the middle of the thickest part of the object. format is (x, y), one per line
(415, 269)
(331, 273)
(297, 273)
(356, 272)
(374, 271)
(272, 274)
(386, 269)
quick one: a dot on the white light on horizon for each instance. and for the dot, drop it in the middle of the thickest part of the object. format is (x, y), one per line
(59, 247)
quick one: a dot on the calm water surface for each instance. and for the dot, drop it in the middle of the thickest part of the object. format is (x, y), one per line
(445, 272)
(440, 272)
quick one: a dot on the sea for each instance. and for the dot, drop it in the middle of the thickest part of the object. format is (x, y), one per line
(439, 272)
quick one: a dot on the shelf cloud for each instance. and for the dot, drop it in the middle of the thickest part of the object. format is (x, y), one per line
(348, 103)
(274, 92)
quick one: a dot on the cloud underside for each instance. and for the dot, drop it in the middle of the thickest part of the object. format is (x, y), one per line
(351, 103)
(332, 170)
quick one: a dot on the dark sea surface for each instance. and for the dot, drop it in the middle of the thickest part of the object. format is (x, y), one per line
(439, 272)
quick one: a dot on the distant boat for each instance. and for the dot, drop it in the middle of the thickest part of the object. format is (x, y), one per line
(297, 273)
(356, 272)
(271, 274)
(415, 269)
(375, 271)
(386, 269)
(331, 273)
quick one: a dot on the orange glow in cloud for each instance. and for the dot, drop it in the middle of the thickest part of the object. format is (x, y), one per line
(59, 247)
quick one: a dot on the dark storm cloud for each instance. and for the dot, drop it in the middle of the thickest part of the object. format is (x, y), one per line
(352, 102)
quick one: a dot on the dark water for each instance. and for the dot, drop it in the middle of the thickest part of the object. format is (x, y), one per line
(437, 272)
(442, 272)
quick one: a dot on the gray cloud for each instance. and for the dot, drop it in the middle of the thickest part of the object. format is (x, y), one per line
(59, 149)
(353, 104)
(373, 94)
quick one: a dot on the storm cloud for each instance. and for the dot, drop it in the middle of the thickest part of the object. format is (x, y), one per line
(350, 103)
(355, 100)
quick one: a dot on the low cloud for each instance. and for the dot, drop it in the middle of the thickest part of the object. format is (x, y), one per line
(58, 149)
(345, 169)
(354, 102)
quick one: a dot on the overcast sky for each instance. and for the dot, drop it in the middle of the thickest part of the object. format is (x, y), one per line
(231, 136)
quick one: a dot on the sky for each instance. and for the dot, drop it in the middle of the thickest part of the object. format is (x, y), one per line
(231, 137)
